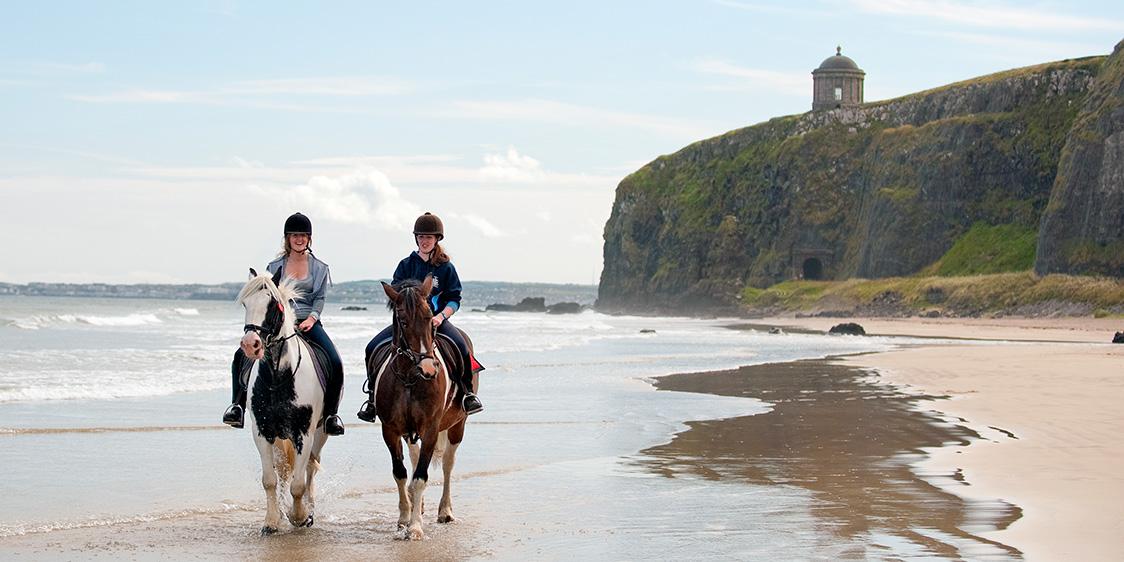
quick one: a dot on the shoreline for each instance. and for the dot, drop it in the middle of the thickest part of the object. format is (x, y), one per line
(1039, 404)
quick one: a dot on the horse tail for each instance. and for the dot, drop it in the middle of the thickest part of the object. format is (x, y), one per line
(287, 457)
(439, 448)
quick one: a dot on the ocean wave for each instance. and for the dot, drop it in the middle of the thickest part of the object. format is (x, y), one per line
(111, 386)
(42, 321)
(21, 529)
(187, 311)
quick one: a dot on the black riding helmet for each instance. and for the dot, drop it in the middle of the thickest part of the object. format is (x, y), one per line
(429, 224)
(298, 224)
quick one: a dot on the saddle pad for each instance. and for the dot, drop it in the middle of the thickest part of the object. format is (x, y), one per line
(320, 362)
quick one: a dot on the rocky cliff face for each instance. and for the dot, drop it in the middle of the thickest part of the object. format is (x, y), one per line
(1083, 226)
(883, 189)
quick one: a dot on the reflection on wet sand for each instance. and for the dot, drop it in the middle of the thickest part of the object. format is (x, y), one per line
(849, 441)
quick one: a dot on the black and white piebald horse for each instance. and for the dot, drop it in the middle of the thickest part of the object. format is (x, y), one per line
(285, 398)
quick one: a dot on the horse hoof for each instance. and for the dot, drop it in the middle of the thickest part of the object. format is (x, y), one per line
(267, 530)
(307, 522)
(401, 535)
(445, 519)
(416, 534)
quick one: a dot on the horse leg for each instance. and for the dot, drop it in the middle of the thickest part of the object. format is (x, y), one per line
(269, 483)
(417, 485)
(394, 445)
(453, 440)
(314, 467)
(415, 452)
(300, 516)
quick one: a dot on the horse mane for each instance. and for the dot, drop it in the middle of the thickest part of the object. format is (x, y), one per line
(286, 292)
(408, 288)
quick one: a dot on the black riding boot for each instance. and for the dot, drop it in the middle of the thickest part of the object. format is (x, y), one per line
(332, 423)
(470, 402)
(367, 411)
(236, 413)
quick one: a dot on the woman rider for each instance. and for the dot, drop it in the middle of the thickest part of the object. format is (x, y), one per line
(430, 259)
(312, 280)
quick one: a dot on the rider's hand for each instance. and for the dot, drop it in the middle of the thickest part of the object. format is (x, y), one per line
(307, 324)
(438, 320)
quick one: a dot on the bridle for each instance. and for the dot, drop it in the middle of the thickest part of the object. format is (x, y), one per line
(270, 333)
(402, 349)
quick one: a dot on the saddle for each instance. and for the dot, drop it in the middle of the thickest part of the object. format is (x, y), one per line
(449, 353)
(320, 361)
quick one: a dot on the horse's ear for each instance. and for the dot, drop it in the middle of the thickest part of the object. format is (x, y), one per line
(253, 273)
(427, 285)
(390, 292)
(277, 277)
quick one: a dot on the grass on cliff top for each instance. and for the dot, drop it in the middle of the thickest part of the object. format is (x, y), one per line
(965, 294)
(988, 249)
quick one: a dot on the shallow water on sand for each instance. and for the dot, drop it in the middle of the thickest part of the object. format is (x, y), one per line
(109, 409)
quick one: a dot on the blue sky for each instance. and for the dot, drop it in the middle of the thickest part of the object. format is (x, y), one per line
(167, 142)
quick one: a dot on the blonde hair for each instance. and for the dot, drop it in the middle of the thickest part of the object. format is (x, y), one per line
(286, 249)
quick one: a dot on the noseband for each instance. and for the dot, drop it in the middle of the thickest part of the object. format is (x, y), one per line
(401, 348)
(270, 330)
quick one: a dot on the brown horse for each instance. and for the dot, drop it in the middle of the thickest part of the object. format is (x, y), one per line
(415, 399)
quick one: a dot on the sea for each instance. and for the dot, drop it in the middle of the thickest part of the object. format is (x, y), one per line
(110, 419)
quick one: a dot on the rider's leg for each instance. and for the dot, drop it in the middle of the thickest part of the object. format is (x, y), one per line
(470, 401)
(367, 411)
(236, 412)
(332, 423)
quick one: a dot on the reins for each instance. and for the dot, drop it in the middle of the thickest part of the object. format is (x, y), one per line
(402, 348)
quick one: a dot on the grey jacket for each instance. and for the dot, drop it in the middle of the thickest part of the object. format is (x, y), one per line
(313, 288)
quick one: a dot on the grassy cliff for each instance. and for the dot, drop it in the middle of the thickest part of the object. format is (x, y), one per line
(884, 190)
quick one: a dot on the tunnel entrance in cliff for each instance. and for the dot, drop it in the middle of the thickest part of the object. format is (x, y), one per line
(813, 269)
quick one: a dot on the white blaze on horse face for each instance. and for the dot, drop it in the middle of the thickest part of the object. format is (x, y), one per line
(252, 346)
(255, 314)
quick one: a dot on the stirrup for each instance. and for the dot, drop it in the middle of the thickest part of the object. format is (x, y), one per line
(367, 412)
(471, 404)
(234, 416)
(333, 425)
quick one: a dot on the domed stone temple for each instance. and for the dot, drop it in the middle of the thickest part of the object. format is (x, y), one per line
(838, 82)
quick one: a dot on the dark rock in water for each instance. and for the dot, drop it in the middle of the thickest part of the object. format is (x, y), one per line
(351, 307)
(776, 331)
(647, 331)
(478, 310)
(528, 304)
(564, 308)
(1118, 338)
(847, 328)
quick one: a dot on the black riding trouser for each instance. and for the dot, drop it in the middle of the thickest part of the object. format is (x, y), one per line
(240, 367)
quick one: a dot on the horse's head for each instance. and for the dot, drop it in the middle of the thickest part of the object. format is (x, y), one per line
(268, 314)
(413, 320)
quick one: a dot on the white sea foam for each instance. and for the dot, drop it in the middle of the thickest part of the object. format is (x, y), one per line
(43, 321)
(187, 311)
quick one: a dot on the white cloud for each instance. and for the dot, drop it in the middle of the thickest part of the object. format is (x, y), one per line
(561, 113)
(483, 225)
(797, 84)
(364, 197)
(991, 14)
(246, 164)
(770, 9)
(263, 94)
(512, 167)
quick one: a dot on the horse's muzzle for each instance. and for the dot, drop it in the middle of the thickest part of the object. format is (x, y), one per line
(252, 345)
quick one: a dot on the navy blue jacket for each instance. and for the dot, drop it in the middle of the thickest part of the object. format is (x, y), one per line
(446, 282)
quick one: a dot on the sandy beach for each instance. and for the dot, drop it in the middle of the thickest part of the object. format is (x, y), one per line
(1048, 416)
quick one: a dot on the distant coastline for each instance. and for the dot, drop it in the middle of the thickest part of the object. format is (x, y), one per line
(478, 293)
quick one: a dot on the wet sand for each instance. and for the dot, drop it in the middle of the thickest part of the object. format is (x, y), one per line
(848, 439)
(1033, 426)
